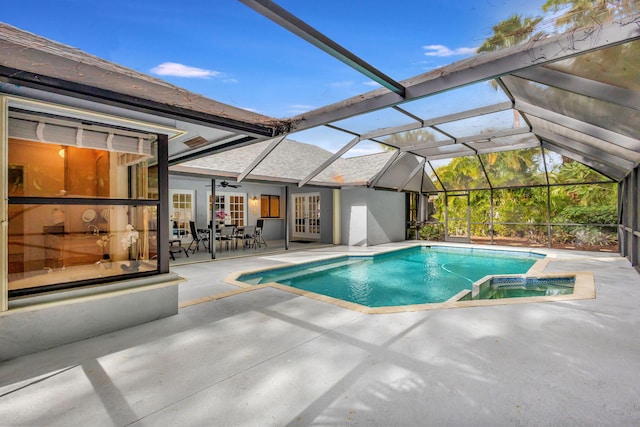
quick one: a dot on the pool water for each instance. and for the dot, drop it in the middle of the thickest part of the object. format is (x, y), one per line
(410, 276)
(511, 287)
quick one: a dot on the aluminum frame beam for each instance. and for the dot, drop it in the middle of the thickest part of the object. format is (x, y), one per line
(384, 169)
(468, 114)
(589, 129)
(436, 144)
(303, 30)
(493, 135)
(479, 68)
(467, 139)
(582, 86)
(609, 172)
(330, 160)
(407, 113)
(412, 174)
(447, 134)
(391, 131)
(421, 124)
(614, 162)
(254, 164)
(532, 142)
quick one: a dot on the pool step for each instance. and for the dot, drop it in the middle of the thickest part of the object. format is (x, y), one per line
(314, 269)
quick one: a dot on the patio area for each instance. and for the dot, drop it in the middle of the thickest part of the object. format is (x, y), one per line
(269, 357)
(272, 246)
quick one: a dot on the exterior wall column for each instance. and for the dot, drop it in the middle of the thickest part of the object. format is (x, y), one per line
(336, 217)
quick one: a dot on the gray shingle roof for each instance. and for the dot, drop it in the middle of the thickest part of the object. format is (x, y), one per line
(51, 61)
(291, 161)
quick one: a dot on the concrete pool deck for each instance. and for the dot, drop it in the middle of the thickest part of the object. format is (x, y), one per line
(270, 357)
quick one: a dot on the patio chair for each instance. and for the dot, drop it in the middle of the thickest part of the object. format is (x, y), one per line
(227, 234)
(249, 237)
(176, 249)
(259, 238)
(198, 237)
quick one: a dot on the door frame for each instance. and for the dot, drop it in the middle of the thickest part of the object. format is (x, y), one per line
(183, 231)
(455, 238)
(307, 219)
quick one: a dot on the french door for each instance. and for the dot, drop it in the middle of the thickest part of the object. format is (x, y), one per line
(233, 206)
(182, 209)
(306, 215)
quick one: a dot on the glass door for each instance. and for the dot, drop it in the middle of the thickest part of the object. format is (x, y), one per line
(306, 216)
(181, 211)
(231, 209)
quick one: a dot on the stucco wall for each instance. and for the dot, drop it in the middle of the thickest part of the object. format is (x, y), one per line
(273, 229)
(370, 217)
(50, 320)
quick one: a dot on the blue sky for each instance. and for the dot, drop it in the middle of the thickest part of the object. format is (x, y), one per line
(226, 51)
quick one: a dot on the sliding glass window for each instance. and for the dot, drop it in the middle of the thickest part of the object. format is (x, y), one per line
(83, 202)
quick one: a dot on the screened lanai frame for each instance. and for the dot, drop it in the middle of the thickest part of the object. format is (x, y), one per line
(557, 104)
(608, 146)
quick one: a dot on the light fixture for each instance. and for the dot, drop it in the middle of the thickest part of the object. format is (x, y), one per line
(254, 205)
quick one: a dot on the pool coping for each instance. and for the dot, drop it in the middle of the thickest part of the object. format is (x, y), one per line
(584, 286)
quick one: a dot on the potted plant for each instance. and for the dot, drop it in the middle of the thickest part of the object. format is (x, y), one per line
(103, 242)
(222, 217)
(129, 242)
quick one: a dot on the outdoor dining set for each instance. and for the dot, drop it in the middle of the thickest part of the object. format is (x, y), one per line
(227, 237)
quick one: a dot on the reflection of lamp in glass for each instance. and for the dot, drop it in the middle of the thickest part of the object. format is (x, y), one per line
(254, 205)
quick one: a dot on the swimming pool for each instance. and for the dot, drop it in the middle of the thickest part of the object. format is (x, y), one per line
(417, 275)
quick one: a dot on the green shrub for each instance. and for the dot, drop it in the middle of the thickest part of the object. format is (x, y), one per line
(589, 215)
(433, 232)
(592, 236)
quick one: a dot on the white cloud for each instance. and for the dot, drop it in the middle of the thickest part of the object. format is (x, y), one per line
(341, 84)
(180, 70)
(441, 50)
(230, 81)
(372, 83)
(300, 108)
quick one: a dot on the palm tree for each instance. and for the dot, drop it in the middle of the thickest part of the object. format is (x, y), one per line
(514, 168)
(582, 13)
(408, 138)
(612, 65)
(510, 32)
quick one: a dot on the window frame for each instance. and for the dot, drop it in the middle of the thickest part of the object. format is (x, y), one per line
(156, 201)
(270, 198)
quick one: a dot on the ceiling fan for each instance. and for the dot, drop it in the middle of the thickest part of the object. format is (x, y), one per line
(225, 184)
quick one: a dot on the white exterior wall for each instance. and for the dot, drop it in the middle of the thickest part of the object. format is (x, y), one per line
(50, 320)
(273, 229)
(370, 217)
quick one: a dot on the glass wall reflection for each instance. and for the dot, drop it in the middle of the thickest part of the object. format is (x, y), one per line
(53, 244)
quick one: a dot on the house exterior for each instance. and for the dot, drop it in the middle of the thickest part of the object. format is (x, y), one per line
(86, 145)
(89, 194)
(93, 154)
(336, 201)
